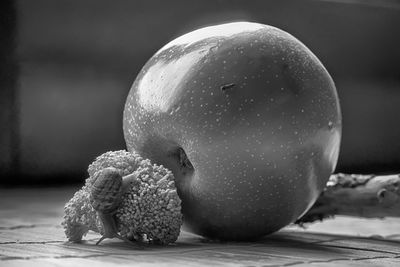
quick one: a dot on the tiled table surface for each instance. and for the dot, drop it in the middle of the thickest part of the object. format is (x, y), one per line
(31, 235)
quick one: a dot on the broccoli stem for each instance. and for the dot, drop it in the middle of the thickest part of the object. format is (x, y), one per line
(366, 196)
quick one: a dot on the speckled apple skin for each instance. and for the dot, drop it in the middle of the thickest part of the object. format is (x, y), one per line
(258, 117)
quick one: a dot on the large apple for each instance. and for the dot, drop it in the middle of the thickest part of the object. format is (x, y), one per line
(248, 120)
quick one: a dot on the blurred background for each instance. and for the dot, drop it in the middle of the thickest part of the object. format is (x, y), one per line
(66, 68)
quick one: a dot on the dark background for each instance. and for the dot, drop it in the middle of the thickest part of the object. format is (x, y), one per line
(66, 68)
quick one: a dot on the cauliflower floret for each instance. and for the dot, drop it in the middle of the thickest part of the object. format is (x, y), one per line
(150, 209)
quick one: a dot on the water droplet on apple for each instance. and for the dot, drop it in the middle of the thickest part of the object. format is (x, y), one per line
(330, 125)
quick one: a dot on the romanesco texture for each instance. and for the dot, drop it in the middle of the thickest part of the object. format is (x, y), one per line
(150, 209)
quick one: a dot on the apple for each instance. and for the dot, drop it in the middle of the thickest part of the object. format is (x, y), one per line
(248, 120)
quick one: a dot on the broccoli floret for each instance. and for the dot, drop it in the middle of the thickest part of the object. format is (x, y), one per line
(122, 160)
(80, 217)
(150, 208)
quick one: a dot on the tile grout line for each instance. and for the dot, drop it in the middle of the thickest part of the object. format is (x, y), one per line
(22, 226)
(10, 258)
(334, 260)
(31, 242)
(361, 249)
